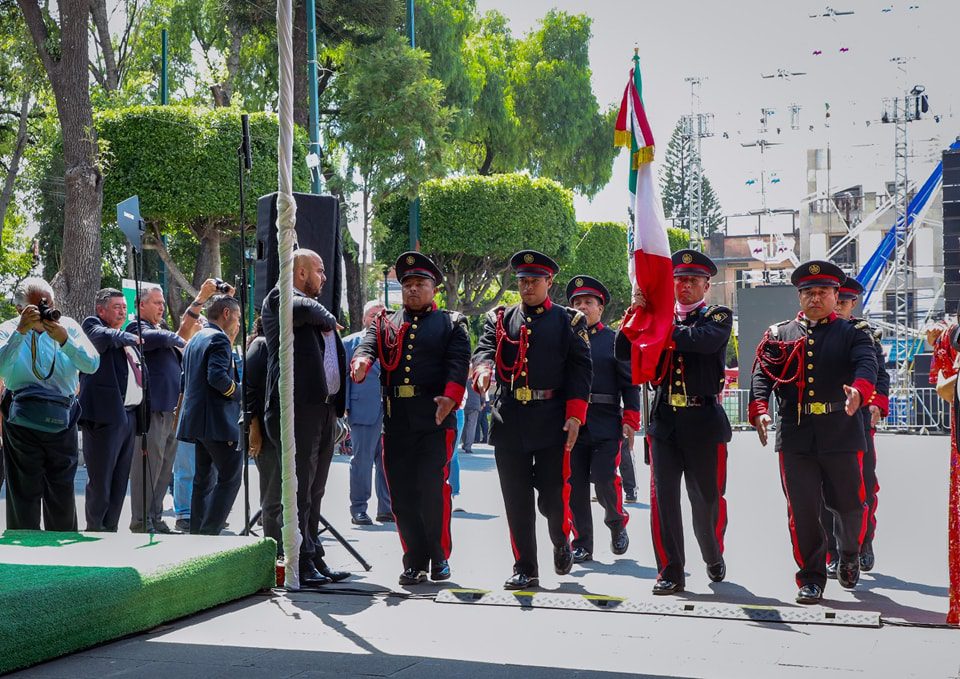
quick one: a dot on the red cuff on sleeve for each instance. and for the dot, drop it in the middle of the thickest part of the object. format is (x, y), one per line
(632, 418)
(866, 389)
(756, 408)
(882, 402)
(454, 391)
(577, 407)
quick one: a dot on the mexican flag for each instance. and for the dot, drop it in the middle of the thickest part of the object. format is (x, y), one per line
(651, 271)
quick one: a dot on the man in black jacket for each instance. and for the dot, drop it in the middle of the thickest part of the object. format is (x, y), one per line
(210, 416)
(689, 430)
(424, 355)
(541, 355)
(319, 391)
(108, 410)
(610, 428)
(822, 370)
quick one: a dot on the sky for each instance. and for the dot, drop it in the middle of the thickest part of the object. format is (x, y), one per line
(729, 45)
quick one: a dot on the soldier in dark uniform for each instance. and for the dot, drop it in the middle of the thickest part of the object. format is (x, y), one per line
(424, 356)
(822, 369)
(597, 453)
(871, 414)
(689, 430)
(541, 355)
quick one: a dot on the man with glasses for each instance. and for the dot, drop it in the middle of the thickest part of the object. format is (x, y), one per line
(822, 370)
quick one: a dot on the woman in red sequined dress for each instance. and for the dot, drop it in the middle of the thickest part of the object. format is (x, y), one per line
(944, 359)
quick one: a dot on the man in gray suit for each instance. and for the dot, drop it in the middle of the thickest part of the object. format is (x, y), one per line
(471, 415)
(365, 417)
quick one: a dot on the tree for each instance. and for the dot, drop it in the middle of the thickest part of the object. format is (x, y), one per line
(471, 226)
(390, 128)
(63, 48)
(601, 252)
(676, 186)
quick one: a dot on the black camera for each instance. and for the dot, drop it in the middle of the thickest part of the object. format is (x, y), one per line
(222, 288)
(47, 312)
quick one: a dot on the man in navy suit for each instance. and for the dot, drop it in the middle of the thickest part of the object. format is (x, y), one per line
(211, 414)
(108, 404)
(365, 417)
(319, 393)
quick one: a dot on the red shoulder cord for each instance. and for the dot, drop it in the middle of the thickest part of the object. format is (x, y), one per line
(389, 350)
(788, 351)
(509, 372)
(666, 363)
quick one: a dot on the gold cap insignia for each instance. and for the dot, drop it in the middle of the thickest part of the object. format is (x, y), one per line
(410, 259)
(528, 258)
(578, 282)
(814, 269)
(687, 258)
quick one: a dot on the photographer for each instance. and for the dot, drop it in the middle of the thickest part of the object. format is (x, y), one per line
(41, 356)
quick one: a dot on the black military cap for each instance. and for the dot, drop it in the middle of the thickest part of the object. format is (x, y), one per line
(587, 285)
(851, 288)
(415, 264)
(530, 263)
(693, 263)
(818, 274)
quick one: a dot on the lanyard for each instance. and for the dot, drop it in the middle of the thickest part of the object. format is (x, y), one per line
(33, 359)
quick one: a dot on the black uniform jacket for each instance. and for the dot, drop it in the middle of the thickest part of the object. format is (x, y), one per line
(611, 381)
(696, 370)
(558, 360)
(433, 360)
(829, 354)
(882, 397)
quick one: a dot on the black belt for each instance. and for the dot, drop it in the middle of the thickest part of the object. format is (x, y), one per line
(683, 401)
(605, 399)
(408, 391)
(525, 394)
(330, 399)
(823, 408)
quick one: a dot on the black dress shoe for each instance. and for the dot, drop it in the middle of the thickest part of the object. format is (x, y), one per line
(717, 571)
(413, 576)
(580, 555)
(848, 573)
(386, 518)
(562, 559)
(867, 560)
(630, 498)
(810, 594)
(311, 577)
(832, 570)
(361, 519)
(440, 570)
(521, 581)
(334, 576)
(619, 540)
(664, 587)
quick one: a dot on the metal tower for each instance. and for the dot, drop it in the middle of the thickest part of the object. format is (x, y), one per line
(695, 127)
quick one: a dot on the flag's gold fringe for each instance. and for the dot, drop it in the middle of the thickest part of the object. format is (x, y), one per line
(622, 137)
(641, 157)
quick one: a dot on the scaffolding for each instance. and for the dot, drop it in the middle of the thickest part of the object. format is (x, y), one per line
(696, 127)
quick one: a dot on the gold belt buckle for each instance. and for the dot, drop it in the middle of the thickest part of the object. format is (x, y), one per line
(406, 391)
(818, 408)
(678, 400)
(523, 394)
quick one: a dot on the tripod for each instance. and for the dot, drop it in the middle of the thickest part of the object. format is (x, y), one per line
(327, 527)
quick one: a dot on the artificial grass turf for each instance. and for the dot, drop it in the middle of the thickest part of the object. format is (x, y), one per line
(52, 609)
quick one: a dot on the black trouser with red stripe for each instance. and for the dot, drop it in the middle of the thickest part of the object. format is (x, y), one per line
(521, 471)
(416, 465)
(704, 471)
(833, 480)
(871, 488)
(595, 461)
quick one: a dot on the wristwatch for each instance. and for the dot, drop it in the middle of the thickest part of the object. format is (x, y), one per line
(193, 314)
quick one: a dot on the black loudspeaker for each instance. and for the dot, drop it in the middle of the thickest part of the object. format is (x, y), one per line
(921, 371)
(951, 231)
(318, 229)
